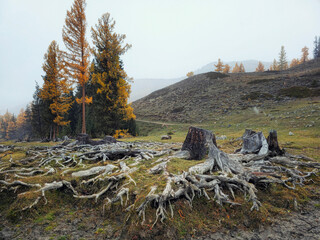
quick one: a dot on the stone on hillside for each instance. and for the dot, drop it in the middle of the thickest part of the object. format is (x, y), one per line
(196, 142)
(165, 137)
(291, 133)
(222, 137)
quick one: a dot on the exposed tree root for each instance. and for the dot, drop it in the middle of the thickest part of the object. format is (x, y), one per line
(217, 179)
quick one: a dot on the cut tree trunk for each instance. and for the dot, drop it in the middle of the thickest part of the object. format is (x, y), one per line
(196, 142)
(272, 141)
(83, 138)
(254, 142)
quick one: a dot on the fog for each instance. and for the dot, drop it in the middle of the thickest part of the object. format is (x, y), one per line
(169, 38)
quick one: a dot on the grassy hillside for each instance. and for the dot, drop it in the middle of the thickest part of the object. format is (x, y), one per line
(301, 117)
(204, 97)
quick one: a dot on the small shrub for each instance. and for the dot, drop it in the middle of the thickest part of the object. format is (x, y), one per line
(121, 133)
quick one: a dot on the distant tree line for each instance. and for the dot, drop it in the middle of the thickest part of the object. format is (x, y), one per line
(78, 95)
(280, 65)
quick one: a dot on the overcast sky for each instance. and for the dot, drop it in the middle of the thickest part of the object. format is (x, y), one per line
(168, 37)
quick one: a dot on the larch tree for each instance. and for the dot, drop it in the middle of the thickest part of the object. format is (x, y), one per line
(77, 57)
(56, 86)
(190, 74)
(241, 68)
(294, 62)
(260, 67)
(219, 66)
(305, 54)
(283, 64)
(226, 68)
(108, 78)
(236, 68)
(274, 66)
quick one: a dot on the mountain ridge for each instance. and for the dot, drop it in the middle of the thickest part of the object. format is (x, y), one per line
(198, 98)
(141, 87)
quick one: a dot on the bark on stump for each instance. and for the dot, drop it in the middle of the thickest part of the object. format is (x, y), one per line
(196, 142)
(272, 141)
(83, 138)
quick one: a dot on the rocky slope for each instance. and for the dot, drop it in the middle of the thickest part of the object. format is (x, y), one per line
(201, 97)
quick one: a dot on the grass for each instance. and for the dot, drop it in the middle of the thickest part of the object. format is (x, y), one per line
(204, 216)
(294, 116)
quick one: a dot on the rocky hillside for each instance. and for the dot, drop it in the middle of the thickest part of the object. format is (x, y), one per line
(201, 97)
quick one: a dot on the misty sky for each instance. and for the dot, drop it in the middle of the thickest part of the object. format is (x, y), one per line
(169, 37)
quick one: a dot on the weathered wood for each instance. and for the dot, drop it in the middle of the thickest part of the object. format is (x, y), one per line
(254, 142)
(83, 138)
(196, 142)
(273, 144)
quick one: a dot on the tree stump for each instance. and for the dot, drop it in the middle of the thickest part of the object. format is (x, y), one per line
(254, 142)
(196, 142)
(272, 141)
(83, 138)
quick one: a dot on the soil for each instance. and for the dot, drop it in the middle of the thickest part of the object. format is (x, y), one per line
(301, 224)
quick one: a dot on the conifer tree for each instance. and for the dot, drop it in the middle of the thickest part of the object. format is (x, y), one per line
(226, 68)
(190, 74)
(305, 54)
(236, 68)
(77, 58)
(56, 87)
(109, 81)
(241, 68)
(219, 66)
(274, 66)
(316, 49)
(294, 62)
(283, 64)
(260, 67)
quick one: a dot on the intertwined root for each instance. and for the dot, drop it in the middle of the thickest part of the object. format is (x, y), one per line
(221, 174)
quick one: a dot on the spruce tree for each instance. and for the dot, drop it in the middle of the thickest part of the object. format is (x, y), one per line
(109, 83)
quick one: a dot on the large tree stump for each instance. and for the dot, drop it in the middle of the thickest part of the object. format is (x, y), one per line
(196, 142)
(272, 141)
(254, 142)
(83, 138)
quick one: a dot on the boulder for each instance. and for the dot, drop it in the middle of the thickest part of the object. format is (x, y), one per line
(165, 137)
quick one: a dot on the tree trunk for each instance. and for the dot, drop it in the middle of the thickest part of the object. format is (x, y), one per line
(196, 142)
(83, 138)
(254, 142)
(83, 110)
(272, 141)
(54, 133)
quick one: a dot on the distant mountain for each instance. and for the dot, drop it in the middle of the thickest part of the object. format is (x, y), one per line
(143, 87)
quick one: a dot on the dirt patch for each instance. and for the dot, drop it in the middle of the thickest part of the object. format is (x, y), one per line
(303, 224)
